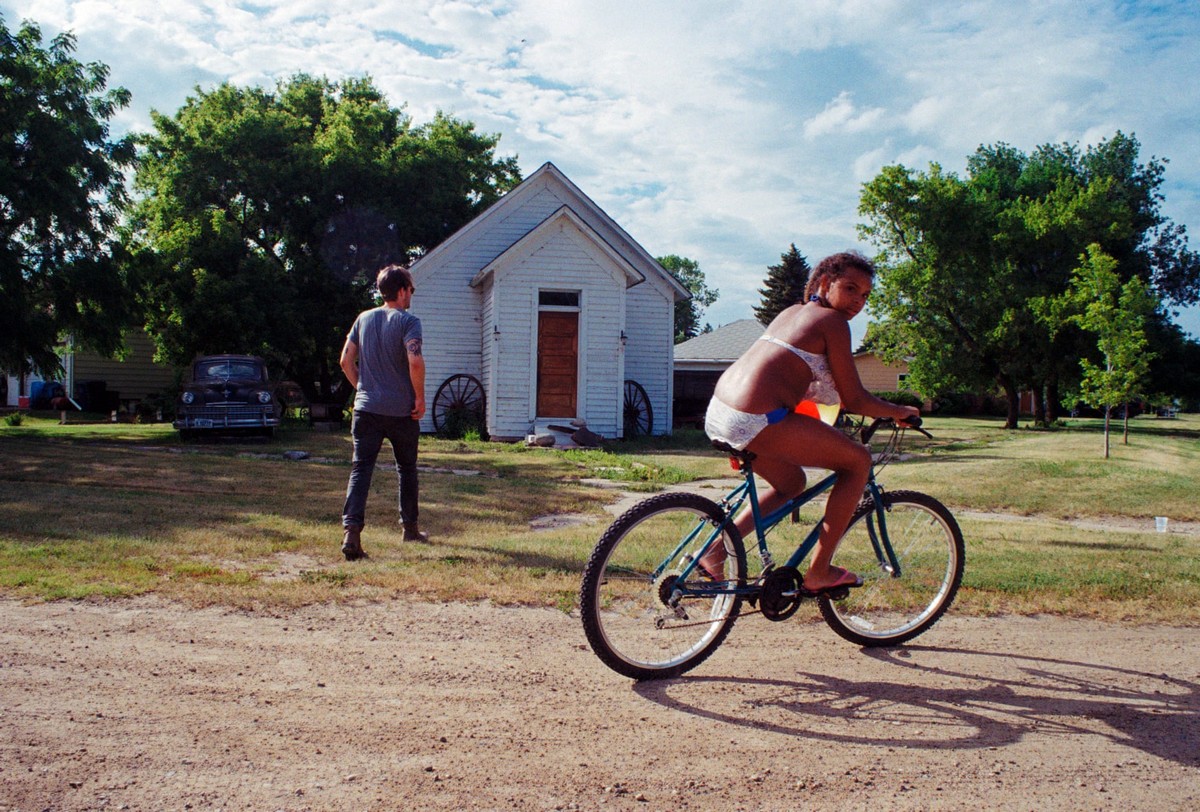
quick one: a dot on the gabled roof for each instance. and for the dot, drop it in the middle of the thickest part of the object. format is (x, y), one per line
(725, 344)
(534, 239)
(584, 209)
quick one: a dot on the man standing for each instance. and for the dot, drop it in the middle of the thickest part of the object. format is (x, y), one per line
(383, 362)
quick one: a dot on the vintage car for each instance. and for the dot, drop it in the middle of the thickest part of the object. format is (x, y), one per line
(228, 394)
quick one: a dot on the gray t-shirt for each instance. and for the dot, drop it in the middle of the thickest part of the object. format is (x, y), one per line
(384, 384)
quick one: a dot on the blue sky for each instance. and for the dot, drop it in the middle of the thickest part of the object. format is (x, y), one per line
(720, 130)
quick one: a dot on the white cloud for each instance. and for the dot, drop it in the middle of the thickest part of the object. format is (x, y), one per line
(748, 124)
(841, 116)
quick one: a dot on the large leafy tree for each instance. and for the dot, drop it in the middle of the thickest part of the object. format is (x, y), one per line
(61, 194)
(265, 214)
(938, 288)
(689, 312)
(784, 285)
(972, 267)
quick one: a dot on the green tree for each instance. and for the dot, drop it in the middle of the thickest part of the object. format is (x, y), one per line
(938, 288)
(971, 267)
(689, 311)
(61, 195)
(784, 285)
(264, 216)
(1116, 314)
(1175, 368)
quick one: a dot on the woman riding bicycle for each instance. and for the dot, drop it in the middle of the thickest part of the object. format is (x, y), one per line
(803, 358)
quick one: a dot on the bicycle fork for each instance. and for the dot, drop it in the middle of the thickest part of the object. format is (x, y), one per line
(877, 532)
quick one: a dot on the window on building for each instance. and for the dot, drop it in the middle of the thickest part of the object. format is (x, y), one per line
(558, 298)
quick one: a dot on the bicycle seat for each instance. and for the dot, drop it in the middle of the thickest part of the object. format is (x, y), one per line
(742, 456)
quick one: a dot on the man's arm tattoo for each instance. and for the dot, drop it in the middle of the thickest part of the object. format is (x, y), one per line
(413, 345)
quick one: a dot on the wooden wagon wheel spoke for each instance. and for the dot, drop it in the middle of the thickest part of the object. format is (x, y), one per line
(638, 414)
(459, 401)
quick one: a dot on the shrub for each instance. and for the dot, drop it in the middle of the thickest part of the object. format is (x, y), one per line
(902, 398)
(13, 419)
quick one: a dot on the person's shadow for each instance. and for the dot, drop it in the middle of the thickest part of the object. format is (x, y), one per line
(941, 708)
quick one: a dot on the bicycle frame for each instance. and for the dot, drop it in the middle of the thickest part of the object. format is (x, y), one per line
(733, 502)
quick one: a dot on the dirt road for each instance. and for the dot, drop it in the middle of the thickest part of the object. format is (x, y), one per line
(145, 705)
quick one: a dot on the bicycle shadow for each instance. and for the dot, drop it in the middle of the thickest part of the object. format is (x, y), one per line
(945, 708)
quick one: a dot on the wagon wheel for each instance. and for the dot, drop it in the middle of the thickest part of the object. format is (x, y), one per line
(459, 405)
(639, 416)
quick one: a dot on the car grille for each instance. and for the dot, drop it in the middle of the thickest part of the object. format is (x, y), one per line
(228, 416)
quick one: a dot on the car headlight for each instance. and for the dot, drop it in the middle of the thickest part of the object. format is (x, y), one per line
(188, 397)
(264, 397)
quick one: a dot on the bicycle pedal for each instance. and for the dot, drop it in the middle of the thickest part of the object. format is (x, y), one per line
(839, 594)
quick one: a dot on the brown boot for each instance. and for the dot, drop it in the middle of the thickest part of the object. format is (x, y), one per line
(352, 543)
(411, 533)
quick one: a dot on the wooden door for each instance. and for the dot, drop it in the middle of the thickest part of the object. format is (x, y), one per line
(558, 364)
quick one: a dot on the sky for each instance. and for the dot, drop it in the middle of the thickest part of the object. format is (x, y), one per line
(719, 130)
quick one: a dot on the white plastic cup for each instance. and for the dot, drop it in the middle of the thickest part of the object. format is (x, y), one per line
(1160, 524)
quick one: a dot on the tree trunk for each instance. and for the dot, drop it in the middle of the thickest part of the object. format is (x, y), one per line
(1107, 415)
(1013, 398)
(1052, 402)
(1039, 405)
(1125, 441)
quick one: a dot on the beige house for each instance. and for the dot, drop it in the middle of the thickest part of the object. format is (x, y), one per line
(877, 376)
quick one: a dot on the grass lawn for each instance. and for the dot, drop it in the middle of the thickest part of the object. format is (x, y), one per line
(97, 510)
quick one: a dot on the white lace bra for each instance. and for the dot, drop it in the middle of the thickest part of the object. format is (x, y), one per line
(822, 389)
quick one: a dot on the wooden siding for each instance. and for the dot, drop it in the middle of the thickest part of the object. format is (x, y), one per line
(570, 261)
(650, 335)
(877, 376)
(458, 330)
(488, 345)
(483, 324)
(135, 378)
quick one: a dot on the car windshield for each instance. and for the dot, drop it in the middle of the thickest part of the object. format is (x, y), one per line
(227, 369)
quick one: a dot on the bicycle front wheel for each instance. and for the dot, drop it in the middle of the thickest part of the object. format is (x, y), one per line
(641, 618)
(905, 593)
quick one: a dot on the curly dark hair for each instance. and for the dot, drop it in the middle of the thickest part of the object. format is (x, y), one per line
(391, 280)
(835, 266)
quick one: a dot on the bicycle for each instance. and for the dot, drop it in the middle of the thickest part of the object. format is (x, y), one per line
(649, 612)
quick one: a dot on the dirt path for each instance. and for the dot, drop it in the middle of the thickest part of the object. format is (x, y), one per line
(146, 705)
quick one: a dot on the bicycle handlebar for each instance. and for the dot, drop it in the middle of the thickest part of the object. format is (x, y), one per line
(913, 423)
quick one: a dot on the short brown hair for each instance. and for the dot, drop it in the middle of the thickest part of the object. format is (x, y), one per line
(835, 266)
(391, 280)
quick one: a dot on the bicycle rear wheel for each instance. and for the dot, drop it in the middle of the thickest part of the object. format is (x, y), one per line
(893, 606)
(636, 618)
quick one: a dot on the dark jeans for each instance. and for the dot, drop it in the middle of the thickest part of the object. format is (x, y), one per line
(369, 431)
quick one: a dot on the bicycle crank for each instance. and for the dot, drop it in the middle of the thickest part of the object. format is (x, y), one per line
(780, 596)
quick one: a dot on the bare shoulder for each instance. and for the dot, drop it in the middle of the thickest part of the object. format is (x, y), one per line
(810, 327)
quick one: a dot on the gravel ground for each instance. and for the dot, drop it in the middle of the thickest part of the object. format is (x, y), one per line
(148, 705)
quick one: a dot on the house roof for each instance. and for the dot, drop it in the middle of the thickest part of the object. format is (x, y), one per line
(583, 208)
(534, 238)
(724, 345)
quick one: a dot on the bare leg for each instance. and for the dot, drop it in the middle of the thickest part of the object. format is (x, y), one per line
(782, 448)
(783, 480)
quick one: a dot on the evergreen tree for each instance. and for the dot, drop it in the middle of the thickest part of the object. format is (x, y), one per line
(784, 285)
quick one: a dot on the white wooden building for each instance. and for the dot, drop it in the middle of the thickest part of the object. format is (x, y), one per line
(553, 309)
